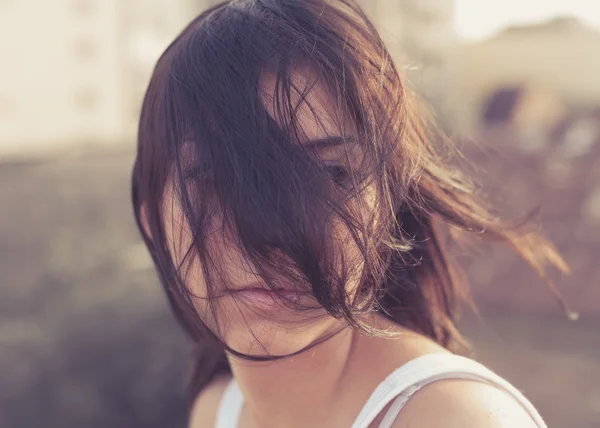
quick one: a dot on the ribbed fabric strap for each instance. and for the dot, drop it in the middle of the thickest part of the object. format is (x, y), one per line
(405, 381)
(230, 407)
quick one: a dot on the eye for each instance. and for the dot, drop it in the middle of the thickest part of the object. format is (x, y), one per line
(191, 173)
(195, 172)
(338, 173)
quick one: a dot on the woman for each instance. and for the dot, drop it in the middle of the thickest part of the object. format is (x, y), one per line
(297, 204)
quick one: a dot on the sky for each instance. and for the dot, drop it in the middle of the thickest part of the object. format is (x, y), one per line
(478, 19)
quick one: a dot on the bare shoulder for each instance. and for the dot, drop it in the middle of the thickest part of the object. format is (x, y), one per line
(204, 409)
(465, 404)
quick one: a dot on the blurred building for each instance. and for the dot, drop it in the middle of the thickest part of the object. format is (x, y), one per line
(561, 55)
(73, 71)
(421, 35)
(61, 76)
(151, 26)
(524, 115)
(532, 94)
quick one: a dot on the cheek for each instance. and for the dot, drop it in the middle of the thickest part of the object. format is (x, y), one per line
(179, 240)
(348, 259)
(364, 208)
(368, 204)
(177, 232)
(357, 264)
(227, 266)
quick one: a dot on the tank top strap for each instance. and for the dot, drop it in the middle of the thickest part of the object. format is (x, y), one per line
(230, 407)
(401, 384)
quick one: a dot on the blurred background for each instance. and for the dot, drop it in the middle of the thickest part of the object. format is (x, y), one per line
(86, 338)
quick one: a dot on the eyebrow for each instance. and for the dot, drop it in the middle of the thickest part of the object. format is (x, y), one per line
(330, 142)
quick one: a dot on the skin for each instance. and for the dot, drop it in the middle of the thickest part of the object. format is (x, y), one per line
(335, 378)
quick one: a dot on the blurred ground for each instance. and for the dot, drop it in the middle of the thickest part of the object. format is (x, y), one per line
(86, 338)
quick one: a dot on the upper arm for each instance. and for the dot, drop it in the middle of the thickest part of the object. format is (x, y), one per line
(464, 404)
(204, 409)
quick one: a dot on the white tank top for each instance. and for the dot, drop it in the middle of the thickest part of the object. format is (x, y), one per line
(397, 389)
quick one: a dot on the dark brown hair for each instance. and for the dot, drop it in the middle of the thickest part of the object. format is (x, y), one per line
(204, 130)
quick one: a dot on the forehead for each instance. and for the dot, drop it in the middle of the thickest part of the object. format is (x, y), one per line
(313, 107)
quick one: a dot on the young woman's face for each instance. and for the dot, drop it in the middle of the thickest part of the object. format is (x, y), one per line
(248, 319)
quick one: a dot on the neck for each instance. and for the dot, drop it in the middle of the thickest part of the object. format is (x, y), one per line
(278, 393)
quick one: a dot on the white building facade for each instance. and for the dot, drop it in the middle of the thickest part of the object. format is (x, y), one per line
(73, 71)
(421, 36)
(61, 74)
